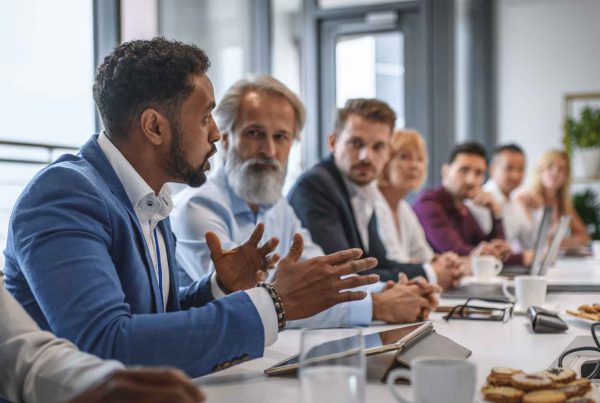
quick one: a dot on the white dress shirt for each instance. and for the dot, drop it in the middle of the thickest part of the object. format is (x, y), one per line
(519, 230)
(150, 209)
(216, 207)
(366, 201)
(404, 244)
(362, 199)
(36, 366)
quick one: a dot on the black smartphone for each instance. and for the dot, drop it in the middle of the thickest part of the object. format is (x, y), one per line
(588, 367)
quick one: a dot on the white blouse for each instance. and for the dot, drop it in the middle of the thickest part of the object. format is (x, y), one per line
(408, 244)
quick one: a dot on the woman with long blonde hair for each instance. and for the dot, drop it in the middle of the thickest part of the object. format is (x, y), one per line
(550, 187)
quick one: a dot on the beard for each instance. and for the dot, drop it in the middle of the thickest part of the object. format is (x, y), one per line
(177, 164)
(255, 184)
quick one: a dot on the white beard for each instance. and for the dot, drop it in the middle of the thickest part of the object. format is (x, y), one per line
(255, 186)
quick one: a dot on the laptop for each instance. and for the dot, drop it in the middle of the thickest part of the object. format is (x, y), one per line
(542, 262)
(539, 246)
(551, 255)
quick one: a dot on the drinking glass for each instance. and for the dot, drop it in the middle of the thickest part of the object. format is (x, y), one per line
(332, 366)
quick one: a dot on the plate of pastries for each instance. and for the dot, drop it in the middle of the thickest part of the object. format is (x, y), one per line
(554, 385)
(586, 313)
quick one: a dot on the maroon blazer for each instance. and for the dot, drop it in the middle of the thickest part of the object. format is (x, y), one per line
(449, 228)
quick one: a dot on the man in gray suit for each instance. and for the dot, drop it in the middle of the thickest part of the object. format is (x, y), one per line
(39, 367)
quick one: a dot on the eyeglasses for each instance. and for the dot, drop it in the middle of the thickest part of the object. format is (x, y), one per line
(594, 373)
(467, 311)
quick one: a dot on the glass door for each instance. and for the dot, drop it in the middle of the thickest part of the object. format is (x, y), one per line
(371, 66)
(363, 57)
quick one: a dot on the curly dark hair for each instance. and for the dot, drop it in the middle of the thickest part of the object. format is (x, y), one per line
(145, 73)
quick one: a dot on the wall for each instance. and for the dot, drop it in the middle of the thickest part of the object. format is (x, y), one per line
(545, 48)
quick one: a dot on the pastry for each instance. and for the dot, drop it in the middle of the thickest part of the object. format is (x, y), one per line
(580, 400)
(587, 308)
(530, 382)
(545, 396)
(560, 375)
(578, 387)
(501, 376)
(501, 394)
(585, 315)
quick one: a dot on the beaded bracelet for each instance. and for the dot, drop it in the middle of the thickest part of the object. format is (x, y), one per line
(281, 320)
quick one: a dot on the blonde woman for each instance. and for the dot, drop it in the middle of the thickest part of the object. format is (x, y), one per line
(399, 227)
(550, 187)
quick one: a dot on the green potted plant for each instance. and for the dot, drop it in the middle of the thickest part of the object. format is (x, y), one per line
(587, 205)
(584, 138)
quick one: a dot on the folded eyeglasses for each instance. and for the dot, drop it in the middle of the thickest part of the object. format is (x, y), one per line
(487, 312)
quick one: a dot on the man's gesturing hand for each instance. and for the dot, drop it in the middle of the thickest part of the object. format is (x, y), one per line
(242, 267)
(309, 287)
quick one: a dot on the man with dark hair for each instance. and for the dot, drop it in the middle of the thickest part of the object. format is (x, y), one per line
(507, 170)
(335, 199)
(469, 148)
(90, 252)
(448, 223)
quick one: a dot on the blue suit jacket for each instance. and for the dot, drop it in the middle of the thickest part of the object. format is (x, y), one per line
(77, 261)
(322, 203)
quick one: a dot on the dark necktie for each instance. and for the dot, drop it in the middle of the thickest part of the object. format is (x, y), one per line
(376, 248)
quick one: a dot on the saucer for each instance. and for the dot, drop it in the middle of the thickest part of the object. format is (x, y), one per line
(494, 280)
(518, 310)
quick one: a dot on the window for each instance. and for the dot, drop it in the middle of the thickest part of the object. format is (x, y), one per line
(46, 90)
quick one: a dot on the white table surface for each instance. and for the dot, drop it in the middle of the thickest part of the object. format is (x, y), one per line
(511, 344)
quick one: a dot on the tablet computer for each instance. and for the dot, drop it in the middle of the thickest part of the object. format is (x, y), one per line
(397, 339)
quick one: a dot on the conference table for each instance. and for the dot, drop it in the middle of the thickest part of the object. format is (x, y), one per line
(510, 344)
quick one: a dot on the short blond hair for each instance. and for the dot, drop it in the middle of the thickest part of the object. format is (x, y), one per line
(406, 140)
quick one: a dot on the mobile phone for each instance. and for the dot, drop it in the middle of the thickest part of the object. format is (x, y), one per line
(588, 367)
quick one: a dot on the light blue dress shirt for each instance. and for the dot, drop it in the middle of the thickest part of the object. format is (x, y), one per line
(215, 207)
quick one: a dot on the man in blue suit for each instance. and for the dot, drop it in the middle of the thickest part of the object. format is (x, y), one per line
(90, 252)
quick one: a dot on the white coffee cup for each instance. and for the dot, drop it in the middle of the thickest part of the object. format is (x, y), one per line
(435, 380)
(596, 250)
(485, 268)
(529, 291)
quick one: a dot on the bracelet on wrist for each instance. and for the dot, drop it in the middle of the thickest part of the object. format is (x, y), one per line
(281, 319)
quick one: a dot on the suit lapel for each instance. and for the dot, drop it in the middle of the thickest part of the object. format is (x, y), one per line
(92, 152)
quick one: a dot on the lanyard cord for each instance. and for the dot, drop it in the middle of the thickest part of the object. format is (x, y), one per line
(160, 280)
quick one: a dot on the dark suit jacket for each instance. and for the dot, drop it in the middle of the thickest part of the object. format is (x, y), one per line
(322, 203)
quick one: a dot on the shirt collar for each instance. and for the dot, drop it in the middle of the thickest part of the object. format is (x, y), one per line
(365, 193)
(492, 187)
(145, 202)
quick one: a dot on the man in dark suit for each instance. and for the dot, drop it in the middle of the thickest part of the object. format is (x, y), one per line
(335, 199)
